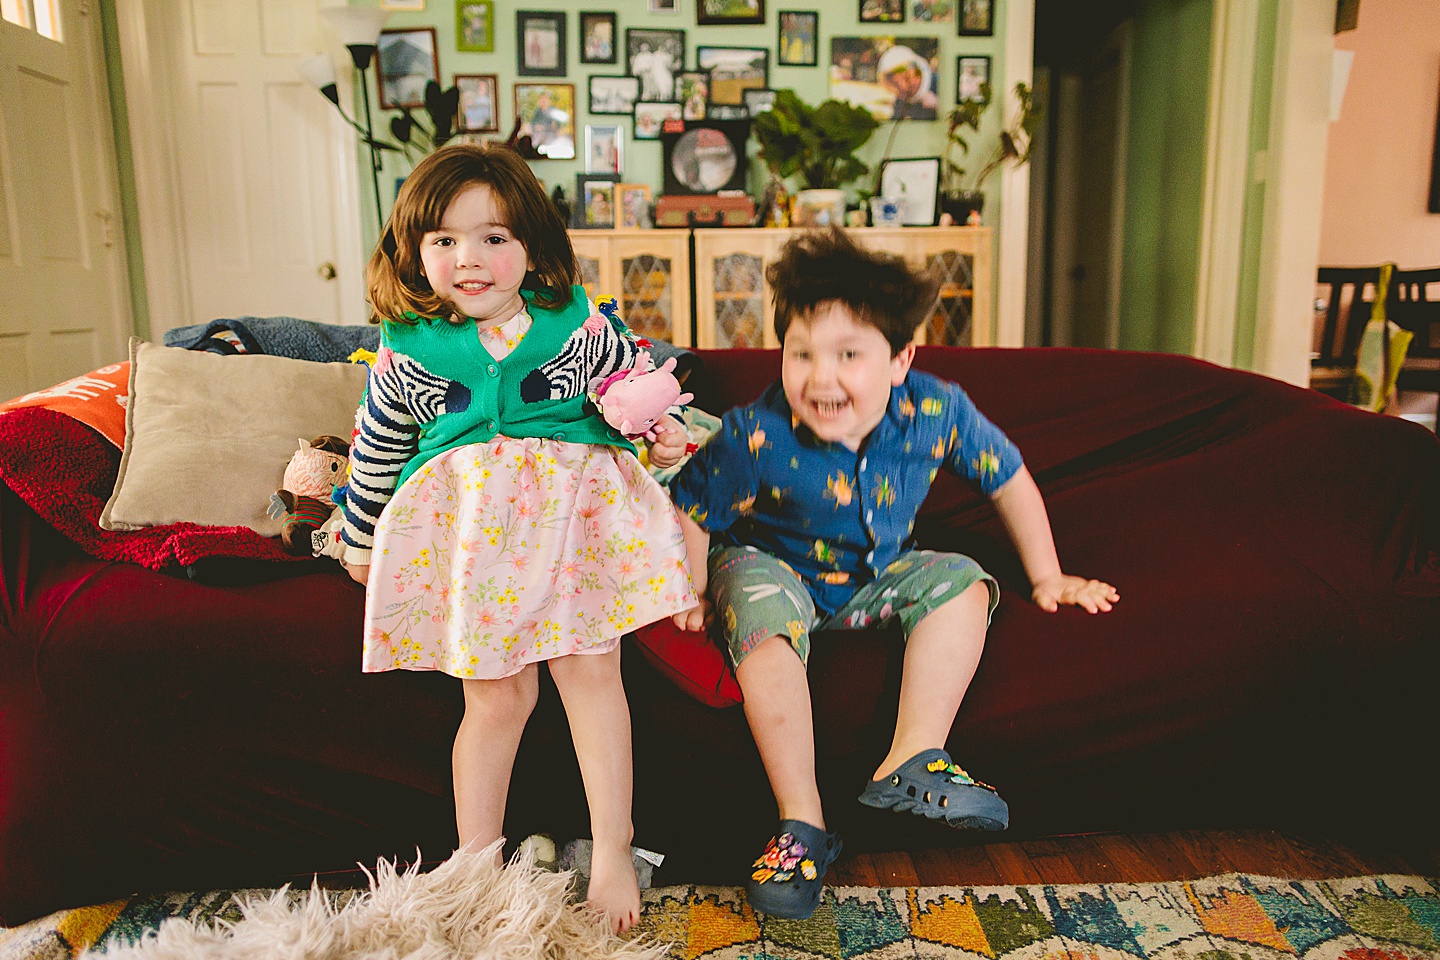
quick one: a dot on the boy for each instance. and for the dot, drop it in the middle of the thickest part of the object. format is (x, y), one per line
(811, 494)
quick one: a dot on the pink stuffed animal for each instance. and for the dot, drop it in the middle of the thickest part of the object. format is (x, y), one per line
(633, 401)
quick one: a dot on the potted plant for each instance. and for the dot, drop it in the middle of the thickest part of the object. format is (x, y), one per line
(814, 145)
(959, 197)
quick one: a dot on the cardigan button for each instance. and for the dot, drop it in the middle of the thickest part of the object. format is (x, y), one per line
(493, 370)
(489, 424)
(559, 434)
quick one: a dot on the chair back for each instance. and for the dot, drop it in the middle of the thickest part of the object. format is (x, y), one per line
(1348, 303)
(1417, 309)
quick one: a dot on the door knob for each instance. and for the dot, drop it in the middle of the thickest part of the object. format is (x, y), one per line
(327, 271)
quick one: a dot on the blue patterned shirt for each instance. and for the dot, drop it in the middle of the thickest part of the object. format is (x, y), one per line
(835, 515)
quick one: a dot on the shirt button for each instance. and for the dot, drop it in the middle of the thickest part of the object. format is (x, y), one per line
(863, 461)
(869, 516)
(492, 370)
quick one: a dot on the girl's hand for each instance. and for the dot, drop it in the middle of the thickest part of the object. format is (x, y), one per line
(696, 618)
(669, 444)
(1093, 595)
(358, 572)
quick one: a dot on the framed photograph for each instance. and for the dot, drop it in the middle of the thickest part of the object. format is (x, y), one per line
(475, 26)
(546, 112)
(663, 6)
(598, 38)
(758, 101)
(917, 182)
(604, 149)
(408, 61)
(540, 43)
(712, 12)
(479, 110)
(724, 111)
(595, 200)
(705, 157)
(694, 90)
(799, 44)
(972, 79)
(933, 11)
(650, 118)
(882, 11)
(893, 77)
(615, 95)
(733, 70)
(977, 18)
(632, 206)
(655, 56)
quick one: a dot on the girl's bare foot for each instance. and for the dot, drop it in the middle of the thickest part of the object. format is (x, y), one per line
(613, 888)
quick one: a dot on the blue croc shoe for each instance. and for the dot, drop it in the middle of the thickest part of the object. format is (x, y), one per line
(930, 785)
(790, 874)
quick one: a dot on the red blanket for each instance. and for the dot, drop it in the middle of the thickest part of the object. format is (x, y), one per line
(65, 471)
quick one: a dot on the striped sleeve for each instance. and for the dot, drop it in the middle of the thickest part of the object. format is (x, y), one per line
(389, 436)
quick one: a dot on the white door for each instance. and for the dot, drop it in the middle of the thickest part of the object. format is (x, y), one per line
(263, 184)
(64, 295)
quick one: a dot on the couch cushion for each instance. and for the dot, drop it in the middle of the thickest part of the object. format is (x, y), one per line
(207, 437)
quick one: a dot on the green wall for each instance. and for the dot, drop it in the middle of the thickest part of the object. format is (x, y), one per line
(1165, 159)
(642, 159)
(1247, 300)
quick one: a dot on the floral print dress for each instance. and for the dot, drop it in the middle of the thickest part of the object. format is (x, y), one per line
(500, 554)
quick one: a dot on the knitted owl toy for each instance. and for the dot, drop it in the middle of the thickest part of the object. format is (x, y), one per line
(305, 501)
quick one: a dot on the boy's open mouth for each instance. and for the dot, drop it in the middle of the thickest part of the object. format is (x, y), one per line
(827, 409)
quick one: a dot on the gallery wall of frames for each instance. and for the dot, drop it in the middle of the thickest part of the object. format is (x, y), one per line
(592, 89)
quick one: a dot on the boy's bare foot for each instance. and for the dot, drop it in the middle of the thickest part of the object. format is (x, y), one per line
(613, 888)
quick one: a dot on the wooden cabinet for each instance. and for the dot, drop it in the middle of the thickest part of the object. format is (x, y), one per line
(647, 271)
(733, 304)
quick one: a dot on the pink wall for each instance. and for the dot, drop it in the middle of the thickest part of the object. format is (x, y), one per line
(1377, 168)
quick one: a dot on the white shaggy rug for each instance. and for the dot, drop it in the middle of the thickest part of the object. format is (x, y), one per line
(468, 907)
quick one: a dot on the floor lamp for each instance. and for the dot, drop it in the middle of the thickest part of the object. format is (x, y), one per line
(359, 29)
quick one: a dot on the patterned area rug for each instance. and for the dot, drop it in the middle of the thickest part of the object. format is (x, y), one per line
(1233, 917)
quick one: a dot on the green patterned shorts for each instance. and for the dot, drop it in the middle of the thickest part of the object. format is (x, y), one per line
(758, 596)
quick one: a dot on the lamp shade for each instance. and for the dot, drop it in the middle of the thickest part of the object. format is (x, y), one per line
(319, 70)
(357, 26)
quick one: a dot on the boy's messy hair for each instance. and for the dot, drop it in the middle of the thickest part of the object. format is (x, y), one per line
(393, 276)
(825, 266)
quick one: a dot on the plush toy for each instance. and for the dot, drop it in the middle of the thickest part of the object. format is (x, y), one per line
(633, 400)
(306, 500)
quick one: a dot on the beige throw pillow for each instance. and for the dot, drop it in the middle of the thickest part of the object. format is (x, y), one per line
(207, 437)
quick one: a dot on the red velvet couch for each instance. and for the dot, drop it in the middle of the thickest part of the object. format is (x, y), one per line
(1271, 662)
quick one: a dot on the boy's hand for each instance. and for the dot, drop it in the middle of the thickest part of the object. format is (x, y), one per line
(1093, 595)
(360, 573)
(696, 618)
(668, 446)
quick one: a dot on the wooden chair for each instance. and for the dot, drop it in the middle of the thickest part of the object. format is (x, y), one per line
(1415, 308)
(1347, 303)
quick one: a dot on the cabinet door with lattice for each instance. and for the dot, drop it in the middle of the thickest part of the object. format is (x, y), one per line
(961, 256)
(592, 256)
(653, 285)
(732, 306)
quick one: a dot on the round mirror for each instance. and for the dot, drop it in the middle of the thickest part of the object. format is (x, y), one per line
(704, 160)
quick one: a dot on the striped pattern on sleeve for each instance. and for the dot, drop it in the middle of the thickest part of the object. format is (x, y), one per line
(389, 436)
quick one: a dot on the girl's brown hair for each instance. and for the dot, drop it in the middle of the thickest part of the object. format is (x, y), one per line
(397, 286)
(825, 266)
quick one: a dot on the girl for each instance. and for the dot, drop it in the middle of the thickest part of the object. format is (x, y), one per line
(508, 524)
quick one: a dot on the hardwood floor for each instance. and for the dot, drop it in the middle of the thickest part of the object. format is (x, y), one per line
(1135, 858)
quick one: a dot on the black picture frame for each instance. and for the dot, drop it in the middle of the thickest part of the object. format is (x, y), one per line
(790, 51)
(408, 60)
(726, 88)
(881, 11)
(1434, 205)
(614, 96)
(918, 179)
(758, 101)
(585, 215)
(540, 49)
(592, 37)
(721, 12)
(687, 168)
(976, 18)
(643, 46)
(972, 79)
